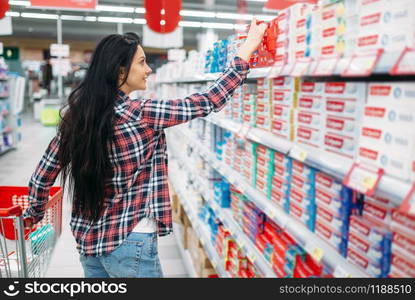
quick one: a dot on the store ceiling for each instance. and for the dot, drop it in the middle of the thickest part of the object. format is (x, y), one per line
(93, 31)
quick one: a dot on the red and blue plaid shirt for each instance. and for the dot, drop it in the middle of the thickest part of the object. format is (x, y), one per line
(138, 186)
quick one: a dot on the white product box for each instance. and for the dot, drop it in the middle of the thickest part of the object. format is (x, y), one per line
(356, 90)
(347, 107)
(281, 128)
(403, 263)
(281, 112)
(372, 250)
(378, 211)
(395, 39)
(359, 258)
(308, 136)
(403, 222)
(330, 234)
(368, 227)
(301, 169)
(332, 218)
(392, 91)
(280, 183)
(302, 183)
(328, 198)
(311, 88)
(309, 118)
(403, 244)
(345, 146)
(280, 97)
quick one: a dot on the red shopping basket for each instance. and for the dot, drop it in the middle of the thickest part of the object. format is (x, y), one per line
(15, 195)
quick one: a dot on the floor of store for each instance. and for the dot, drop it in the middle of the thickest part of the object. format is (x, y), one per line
(16, 168)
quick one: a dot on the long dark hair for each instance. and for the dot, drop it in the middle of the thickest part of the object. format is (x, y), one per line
(87, 124)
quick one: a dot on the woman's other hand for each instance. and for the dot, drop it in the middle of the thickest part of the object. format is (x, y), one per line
(255, 34)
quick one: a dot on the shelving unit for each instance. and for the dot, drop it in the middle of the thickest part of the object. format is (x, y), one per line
(388, 187)
(197, 225)
(184, 253)
(313, 244)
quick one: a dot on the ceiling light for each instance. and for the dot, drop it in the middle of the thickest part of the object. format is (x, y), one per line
(19, 3)
(90, 19)
(190, 24)
(258, 0)
(218, 25)
(195, 13)
(140, 10)
(126, 9)
(234, 16)
(72, 18)
(39, 16)
(140, 21)
(12, 14)
(114, 20)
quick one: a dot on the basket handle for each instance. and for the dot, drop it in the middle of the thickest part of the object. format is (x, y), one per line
(11, 211)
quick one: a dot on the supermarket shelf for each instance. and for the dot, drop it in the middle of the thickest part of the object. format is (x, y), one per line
(253, 74)
(313, 244)
(389, 187)
(199, 227)
(226, 217)
(188, 263)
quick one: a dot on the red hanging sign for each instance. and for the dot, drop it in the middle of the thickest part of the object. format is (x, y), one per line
(162, 16)
(72, 4)
(4, 7)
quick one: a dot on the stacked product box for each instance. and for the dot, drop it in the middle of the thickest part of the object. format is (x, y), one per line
(222, 193)
(280, 181)
(221, 136)
(310, 115)
(281, 51)
(264, 56)
(381, 23)
(220, 55)
(229, 150)
(265, 241)
(369, 244)
(264, 169)
(253, 221)
(238, 265)
(302, 194)
(332, 24)
(234, 42)
(344, 102)
(284, 102)
(238, 157)
(387, 138)
(285, 255)
(263, 104)
(249, 162)
(403, 245)
(351, 33)
(237, 204)
(249, 103)
(334, 203)
(307, 267)
(237, 105)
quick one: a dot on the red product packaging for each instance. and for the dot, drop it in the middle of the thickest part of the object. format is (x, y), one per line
(404, 222)
(305, 268)
(403, 244)
(403, 263)
(380, 212)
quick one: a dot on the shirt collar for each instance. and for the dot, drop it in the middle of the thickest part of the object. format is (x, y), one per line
(121, 96)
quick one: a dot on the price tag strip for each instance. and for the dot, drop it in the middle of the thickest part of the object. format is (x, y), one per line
(243, 131)
(405, 64)
(363, 64)
(363, 178)
(326, 66)
(276, 70)
(408, 204)
(301, 67)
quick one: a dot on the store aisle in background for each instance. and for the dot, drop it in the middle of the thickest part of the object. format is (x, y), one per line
(16, 168)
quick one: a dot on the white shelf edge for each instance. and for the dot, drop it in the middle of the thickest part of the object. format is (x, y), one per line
(295, 228)
(389, 187)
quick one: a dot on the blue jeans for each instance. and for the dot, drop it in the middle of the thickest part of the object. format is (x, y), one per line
(136, 257)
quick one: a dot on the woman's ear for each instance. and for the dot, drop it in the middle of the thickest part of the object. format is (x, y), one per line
(121, 76)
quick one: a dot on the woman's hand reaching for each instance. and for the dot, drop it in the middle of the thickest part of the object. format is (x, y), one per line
(255, 34)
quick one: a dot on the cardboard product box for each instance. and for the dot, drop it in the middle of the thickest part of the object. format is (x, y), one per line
(283, 129)
(336, 220)
(283, 113)
(380, 212)
(263, 122)
(302, 199)
(313, 119)
(327, 182)
(311, 102)
(305, 216)
(285, 83)
(334, 237)
(403, 264)
(282, 97)
(355, 256)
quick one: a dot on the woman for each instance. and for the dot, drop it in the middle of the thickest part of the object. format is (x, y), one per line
(113, 152)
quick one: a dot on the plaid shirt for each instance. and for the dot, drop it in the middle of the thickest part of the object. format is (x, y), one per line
(138, 186)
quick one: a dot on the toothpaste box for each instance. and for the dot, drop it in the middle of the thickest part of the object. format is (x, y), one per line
(403, 243)
(346, 126)
(301, 199)
(285, 83)
(283, 97)
(309, 137)
(370, 229)
(281, 184)
(301, 169)
(333, 236)
(309, 118)
(282, 128)
(374, 251)
(281, 112)
(306, 216)
(337, 202)
(342, 145)
(403, 264)
(311, 88)
(402, 222)
(373, 268)
(327, 182)
(310, 103)
(378, 211)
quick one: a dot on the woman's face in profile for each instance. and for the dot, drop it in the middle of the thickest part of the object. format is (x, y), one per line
(139, 71)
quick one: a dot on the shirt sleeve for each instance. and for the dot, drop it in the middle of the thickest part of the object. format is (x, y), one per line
(160, 114)
(42, 180)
